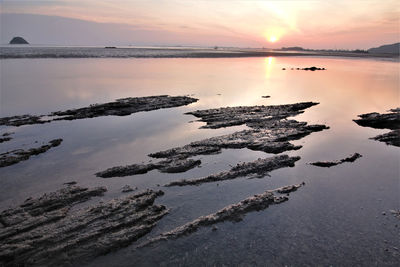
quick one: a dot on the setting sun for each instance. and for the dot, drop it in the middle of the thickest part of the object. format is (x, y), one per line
(272, 39)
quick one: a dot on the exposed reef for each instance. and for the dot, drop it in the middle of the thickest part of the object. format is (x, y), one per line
(5, 137)
(258, 168)
(313, 68)
(390, 138)
(270, 136)
(234, 212)
(328, 164)
(167, 166)
(15, 156)
(120, 107)
(232, 116)
(269, 132)
(47, 232)
(22, 120)
(383, 121)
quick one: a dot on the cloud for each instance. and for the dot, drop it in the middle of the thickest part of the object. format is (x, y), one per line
(243, 23)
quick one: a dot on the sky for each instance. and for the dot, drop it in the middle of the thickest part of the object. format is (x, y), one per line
(311, 24)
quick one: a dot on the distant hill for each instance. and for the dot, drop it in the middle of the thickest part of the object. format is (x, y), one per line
(386, 49)
(293, 48)
(18, 40)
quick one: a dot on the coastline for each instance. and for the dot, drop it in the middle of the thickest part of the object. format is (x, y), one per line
(14, 52)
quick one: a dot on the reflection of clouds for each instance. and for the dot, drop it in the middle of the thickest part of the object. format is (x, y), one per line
(79, 94)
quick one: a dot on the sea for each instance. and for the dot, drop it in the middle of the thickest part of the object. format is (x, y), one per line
(341, 217)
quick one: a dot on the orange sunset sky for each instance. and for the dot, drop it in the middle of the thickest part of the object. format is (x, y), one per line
(310, 24)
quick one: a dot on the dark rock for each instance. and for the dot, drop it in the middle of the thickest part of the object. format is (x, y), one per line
(172, 165)
(233, 213)
(4, 139)
(381, 121)
(328, 164)
(70, 183)
(270, 132)
(42, 234)
(120, 107)
(288, 189)
(232, 116)
(265, 96)
(270, 137)
(15, 156)
(258, 168)
(389, 120)
(395, 213)
(313, 68)
(126, 189)
(18, 40)
(390, 138)
(22, 120)
(30, 211)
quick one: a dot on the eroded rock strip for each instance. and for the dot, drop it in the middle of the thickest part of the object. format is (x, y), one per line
(230, 116)
(271, 138)
(50, 207)
(167, 166)
(5, 137)
(270, 131)
(15, 156)
(390, 138)
(258, 168)
(233, 212)
(83, 234)
(328, 164)
(120, 107)
(389, 120)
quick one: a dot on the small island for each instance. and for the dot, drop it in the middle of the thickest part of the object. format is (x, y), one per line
(18, 40)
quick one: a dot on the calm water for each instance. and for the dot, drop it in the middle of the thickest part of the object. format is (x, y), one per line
(336, 219)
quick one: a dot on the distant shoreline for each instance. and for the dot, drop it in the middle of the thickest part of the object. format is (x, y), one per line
(15, 52)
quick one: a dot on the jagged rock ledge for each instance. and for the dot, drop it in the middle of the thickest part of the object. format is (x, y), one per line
(269, 132)
(46, 232)
(234, 212)
(167, 166)
(258, 168)
(120, 107)
(383, 121)
(252, 116)
(271, 139)
(390, 138)
(15, 156)
(328, 164)
(5, 137)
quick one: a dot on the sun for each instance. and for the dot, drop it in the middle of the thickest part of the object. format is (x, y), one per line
(272, 39)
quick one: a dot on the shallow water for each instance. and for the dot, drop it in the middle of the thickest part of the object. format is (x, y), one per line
(337, 218)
